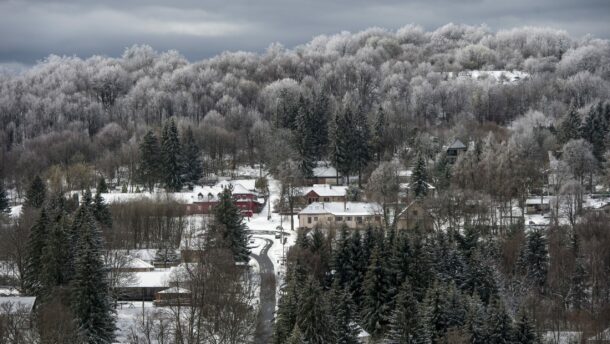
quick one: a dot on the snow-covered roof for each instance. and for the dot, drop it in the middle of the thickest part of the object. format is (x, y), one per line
(207, 193)
(137, 263)
(17, 303)
(175, 290)
(457, 144)
(343, 209)
(406, 186)
(538, 200)
(325, 190)
(405, 173)
(324, 171)
(151, 279)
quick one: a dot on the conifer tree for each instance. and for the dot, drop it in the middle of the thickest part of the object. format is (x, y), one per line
(228, 226)
(442, 172)
(171, 157)
(524, 331)
(361, 149)
(192, 165)
(569, 128)
(595, 129)
(4, 203)
(403, 322)
(150, 164)
(379, 135)
(578, 296)
(36, 193)
(313, 316)
(534, 258)
(375, 312)
(321, 110)
(420, 178)
(90, 299)
(344, 315)
(480, 278)
(305, 136)
(102, 187)
(101, 211)
(358, 263)
(499, 324)
(342, 151)
(55, 256)
(475, 324)
(424, 331)
(296, 336)
(35, 247)
(287, 309)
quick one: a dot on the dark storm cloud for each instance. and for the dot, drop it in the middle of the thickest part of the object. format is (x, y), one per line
(31, 30)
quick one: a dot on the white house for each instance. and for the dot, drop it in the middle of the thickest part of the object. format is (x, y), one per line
(352, 214)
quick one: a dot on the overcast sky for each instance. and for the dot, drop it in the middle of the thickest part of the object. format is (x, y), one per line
(32, 29)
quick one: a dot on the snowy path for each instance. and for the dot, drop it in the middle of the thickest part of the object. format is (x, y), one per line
(264, 328)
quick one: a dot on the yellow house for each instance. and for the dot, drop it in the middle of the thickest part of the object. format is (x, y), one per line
(415, 215)
(334, 214)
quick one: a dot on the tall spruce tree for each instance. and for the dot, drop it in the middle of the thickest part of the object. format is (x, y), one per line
(102, 187)
(344, 315)
(534, 259)
(342, 151)
(525, 333)
(4, 203)
(228, 227)
(90, 294)
(321, 110)
(361, 146)
(171, 157)
(475, 324)
(35, 247)
(420, 178)
(313, 316)
(379, 134)
(150, 164)
(578, 296)
(595, 129)
(375, 312)
(499, 324)
(55, 256)
(287, 308)
(403, 322)
(192, 164)
(36, 193)
(296, 336)
(101, 211)
(569, 128)
(305, 137)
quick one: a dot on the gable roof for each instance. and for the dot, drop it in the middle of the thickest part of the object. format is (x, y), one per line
(457, 144)
(325, 190)
(9, 304)
(342, 209)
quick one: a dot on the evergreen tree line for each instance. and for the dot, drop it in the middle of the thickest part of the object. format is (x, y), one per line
(401, 288)
(169, 161)
(64, 268)
(594, 128)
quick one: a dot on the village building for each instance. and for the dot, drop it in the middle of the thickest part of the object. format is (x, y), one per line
(455, 149)
(415, 216)
(324, 193)
(134, 264)
(537, 205)
(18, 308)
(172, 297)
(207, 198)
(354, 215)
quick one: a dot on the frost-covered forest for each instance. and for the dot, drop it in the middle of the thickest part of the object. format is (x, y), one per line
(514, 245)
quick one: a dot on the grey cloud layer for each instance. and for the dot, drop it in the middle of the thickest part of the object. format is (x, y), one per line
(31, 30)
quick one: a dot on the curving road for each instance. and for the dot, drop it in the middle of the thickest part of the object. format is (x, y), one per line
(264, 326)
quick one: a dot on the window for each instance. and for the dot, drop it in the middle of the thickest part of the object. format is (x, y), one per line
(330, 218)
(378, 218)
(349, 218)
(339, 218)
(308, 219)
(414, 212)
(358, 219)
(315, 219)
(326, 199)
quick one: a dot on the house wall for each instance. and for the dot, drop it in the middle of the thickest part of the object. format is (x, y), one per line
(328, 220)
